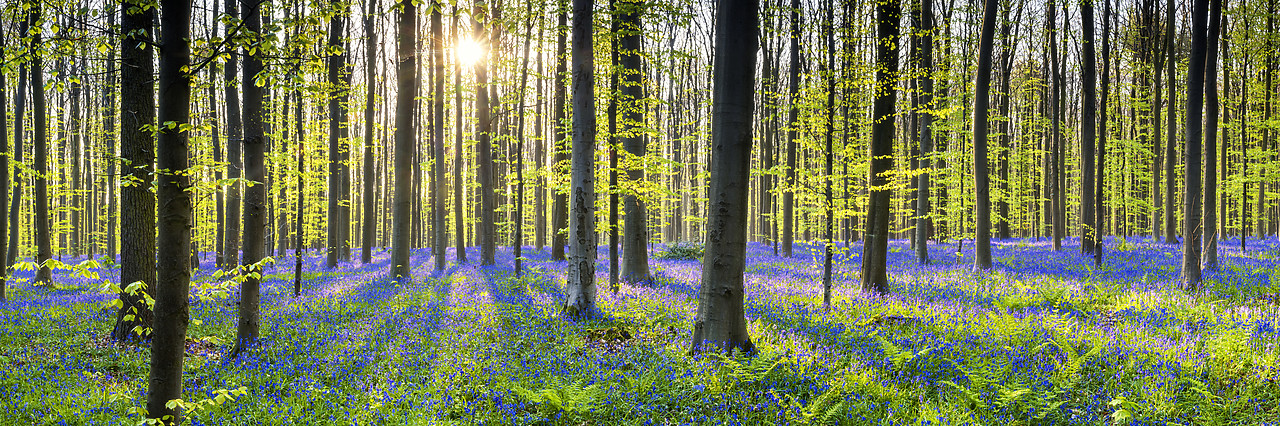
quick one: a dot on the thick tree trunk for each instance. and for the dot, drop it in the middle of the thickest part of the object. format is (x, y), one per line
(923, 23)
(1191, 225)
(137, 148)
(173, 275)
(255, 193)
(560, 203)
(405, 143)
(876, 240)
(721, 323)
(580, 275)
(635, 255)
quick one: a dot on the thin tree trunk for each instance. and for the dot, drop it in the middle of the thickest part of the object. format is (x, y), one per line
(981, 163)
(923, 22)
(1088, 123)
(1102, 134)
(460, 227)
(337, 120)
(829, 154)
(19, 112)
(788, 193)
(369, 218)
(439, 243)
(4, 178)
(44, 250)
(484, 135)
(560, 203)
(1211, 140)
(1170, 156)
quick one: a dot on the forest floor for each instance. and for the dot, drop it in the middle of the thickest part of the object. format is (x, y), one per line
(1042, 339)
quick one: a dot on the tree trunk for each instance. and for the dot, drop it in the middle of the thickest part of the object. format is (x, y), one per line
(1170, 156)
(369, 218)
(405, 140)
(173, 275)
(829, 154)
(337, 121)
(923, 22)
(793, 89)
(615, 24)
(876, 239)
(4, 179)
(137, 202)
(1191, 225)
(439, 243)
(580, 274)
(235, 144)
(635, 256)
(1088, 121)
(484, 134)
(1102, 134)
(460, 227)
(721, 322)
(255, 194)
(981, 163)
(44, 250)
(1211, 139)
(560, 204)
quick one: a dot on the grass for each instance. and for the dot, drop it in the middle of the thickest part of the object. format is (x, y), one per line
(1043, 339)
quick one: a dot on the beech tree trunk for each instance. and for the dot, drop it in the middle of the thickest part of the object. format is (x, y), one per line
(4, 179)
(560, 203)
(635, 236)
(255, 193)
(1191, 192)
(235, 143)
(369, 219)
(875, 243)
(484, 135)
(793, 89)
(337, 121)
(981, 164)
(721, 323)
(1088, 121)
(1211, 139)
(44, 248)
(137, 148)
(405, 140)
(439, 243)
(173, 274)
(924, 62)
(580, 274)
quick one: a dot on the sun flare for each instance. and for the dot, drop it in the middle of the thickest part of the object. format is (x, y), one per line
(469, 51)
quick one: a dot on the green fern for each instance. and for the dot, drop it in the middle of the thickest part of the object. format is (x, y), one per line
(566, 397)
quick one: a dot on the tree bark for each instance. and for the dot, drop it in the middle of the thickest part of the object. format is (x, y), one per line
(4, 179)
(635, 237)
(981, 163)
(1088, 121)
(560, 204)
(484, 135)
(793, 89)
(1211, 139)
(923, 22)
(369, 218)
(876, 239)
(460, 227)
(580, 274)
(255, 193)
(337, 121)
(235, 143)
(439, 242)
(405, 140)
(1170, 156)
(721, 322)
(44, 250)
(173, 246)
(1191, 225)
(137, 147)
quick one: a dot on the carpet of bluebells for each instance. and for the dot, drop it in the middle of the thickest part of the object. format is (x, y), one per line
(1043, 338)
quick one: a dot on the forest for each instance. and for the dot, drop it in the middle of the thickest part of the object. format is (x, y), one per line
(582, 212)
